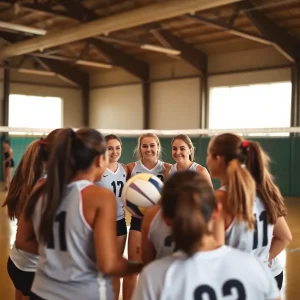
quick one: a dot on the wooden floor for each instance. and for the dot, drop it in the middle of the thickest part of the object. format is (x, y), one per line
(290, 258)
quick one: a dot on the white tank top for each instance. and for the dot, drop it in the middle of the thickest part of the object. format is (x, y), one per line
(223, 273)
(193, 167)
(158, 170)
(256, 241)
(160, 236)
(23, 260)
(67, 267)
(115, 182)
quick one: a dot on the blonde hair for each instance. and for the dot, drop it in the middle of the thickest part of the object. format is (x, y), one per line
(241, 189)
(188, 141)
(137, 150)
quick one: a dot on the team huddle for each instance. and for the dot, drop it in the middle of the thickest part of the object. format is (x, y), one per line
(197, 243)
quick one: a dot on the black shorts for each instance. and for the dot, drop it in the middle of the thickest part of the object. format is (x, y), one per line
(121, 227)
(10, 164)
(279, 280)
(35, 297)
(135, 224)
(22, 280)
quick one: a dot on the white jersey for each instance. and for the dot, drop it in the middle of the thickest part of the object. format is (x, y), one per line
(115, 182)
(224, 273)
(23, 260)
(160, 236)
(193, 167)
(158, 170)
(257, 241)
(276, 266)
(67, 267)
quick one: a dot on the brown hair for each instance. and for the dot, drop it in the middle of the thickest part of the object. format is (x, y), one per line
(73, 152)
(110, 137)
(189, 142)
(189, 201)
(28, 172)
(137, 150)
(241, 190)
(257, 162)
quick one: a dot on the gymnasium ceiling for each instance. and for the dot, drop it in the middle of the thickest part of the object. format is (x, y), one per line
(242, 25)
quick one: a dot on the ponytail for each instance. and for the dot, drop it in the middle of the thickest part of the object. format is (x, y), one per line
(241, 193)
(60, 171)
(29, 170)
(188, 201)
(257, 163)
(189, 225)
(72, 152)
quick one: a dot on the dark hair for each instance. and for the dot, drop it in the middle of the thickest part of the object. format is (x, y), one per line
(110, 137)
(241, 188)
(189, 201)
(257, 162)
(6, 141)
(28, 172)
(73, 152)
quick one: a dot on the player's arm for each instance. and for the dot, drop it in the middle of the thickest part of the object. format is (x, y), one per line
(103, 222)
(204, 173)
(148, 250)
(167, 168)
(220, 221)
(25, 237)
(130, 167)
(282, 237)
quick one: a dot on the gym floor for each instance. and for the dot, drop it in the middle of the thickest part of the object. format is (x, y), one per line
(290, 258)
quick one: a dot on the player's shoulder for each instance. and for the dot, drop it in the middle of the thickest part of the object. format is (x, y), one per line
(97, 194)
(125, 167)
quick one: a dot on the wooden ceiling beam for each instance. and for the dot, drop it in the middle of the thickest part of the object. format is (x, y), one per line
(189, 53)
(65, 71)
(281, 40)
(130, 64)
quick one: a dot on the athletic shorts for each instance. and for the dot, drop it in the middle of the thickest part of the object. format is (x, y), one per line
(121, 227)
(22, 280)
(135, 224)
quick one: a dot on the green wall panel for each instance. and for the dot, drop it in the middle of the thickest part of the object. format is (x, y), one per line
(284, 153)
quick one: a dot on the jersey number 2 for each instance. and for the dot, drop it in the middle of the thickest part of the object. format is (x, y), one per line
(114, 185)
(61, 220)
(262, 218)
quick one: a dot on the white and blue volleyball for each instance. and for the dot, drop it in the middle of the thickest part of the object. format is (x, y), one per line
(140, 192)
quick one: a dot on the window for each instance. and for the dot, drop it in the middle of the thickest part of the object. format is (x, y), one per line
(34, 112)
(251, 106)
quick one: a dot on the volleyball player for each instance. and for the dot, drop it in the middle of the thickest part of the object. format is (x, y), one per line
(183, 152)
(114, 178)
(71, 222)
(156, 238)
(8, 163)
(21, 265)
(148, 152)
(203, 267)
(253, 208)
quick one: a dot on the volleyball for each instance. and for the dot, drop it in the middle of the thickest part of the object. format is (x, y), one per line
(141, 192)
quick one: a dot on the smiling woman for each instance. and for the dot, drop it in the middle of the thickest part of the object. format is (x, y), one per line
(114, 179)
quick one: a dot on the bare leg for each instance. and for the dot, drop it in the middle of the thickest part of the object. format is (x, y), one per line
(116, 281)
(134, 254)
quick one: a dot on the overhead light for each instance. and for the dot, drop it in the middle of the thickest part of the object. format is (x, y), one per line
(36, 72)
(160, 49)
(22, 28)
(93, 64)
